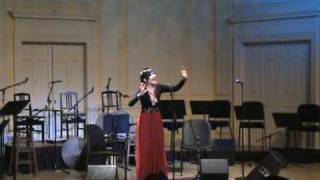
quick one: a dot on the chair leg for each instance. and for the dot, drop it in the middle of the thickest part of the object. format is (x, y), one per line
(34, 159)
(61, 129)
(84, 130)
(295, 139)
(265, 133)
(288, 139)
(77, 129)
(11, 161)
(242, 139)
(181, 162)
(42, 132)
(249, 140)
(16, 159)
(262, 138)
(239, 138)
(231, 133)
(67, 127)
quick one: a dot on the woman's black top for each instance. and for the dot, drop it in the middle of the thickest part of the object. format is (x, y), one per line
(159, 89)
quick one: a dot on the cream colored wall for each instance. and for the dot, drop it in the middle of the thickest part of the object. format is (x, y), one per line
(159, 34)
(130, 35)
(2, 43)
(166, 34)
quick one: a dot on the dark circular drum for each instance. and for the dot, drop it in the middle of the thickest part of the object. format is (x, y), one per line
(71, 151)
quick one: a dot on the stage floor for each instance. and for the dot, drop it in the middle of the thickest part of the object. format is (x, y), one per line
(293, 172)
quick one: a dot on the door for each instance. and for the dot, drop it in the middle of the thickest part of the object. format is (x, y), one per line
(43, 63)
(277, 74)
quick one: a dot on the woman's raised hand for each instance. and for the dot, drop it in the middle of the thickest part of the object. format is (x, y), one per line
(184, 74)
(142, 88)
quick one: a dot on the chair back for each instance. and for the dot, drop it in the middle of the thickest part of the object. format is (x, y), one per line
(95, 143)
(24, 97)
(252, 110)
(196, 128)
(309, 113)
(95, 137)
(110, 101)
(220, 109)
(200, 107)
(68, 100)
(116, 124)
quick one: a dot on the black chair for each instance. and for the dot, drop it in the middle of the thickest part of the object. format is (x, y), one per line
(96, 148)
(111, 101)
(309, 116)
(28, 120)
(70, 113)
(192, 131)
(116, 132)
(220, 116)
(251, 116)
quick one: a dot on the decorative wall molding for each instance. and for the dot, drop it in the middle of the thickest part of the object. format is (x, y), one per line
(239, 20)
(49, 17)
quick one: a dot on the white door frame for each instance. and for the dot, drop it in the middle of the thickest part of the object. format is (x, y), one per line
(239, 43)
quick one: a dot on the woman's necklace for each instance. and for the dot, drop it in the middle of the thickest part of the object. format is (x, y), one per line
(152, 95)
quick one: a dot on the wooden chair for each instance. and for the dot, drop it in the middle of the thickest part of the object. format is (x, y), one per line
(111, 101)
(28, 119)
(70, 113)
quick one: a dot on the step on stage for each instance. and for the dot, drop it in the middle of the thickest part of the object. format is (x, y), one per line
(45, 153)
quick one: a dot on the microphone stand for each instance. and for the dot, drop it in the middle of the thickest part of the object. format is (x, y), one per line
(50, 109)
(242, 146)
(3, 90)
(197, 143)
(173, 133)
(81, 99)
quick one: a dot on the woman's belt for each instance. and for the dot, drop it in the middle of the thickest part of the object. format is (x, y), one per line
(150, 109)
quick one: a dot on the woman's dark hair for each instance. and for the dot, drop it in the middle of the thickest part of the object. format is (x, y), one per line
(145, 74)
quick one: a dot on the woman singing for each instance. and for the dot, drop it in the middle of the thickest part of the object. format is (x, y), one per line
(151, 155)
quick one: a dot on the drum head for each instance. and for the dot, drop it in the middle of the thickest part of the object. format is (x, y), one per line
(71, 151)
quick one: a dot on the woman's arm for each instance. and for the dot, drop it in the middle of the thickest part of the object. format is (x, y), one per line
(168, 88)
(177, 87)
(141, 91)
(134, 100)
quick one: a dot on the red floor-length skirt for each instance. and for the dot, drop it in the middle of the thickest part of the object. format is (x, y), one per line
(151, 155)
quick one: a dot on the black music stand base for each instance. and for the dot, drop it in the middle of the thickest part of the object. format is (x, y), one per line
(55, 166)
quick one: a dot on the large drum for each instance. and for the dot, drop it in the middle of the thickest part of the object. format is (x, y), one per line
(72, 150)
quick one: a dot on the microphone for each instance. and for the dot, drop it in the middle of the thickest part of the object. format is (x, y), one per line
(238, 81)
(108, 84)
(123, 95)
(26, 80)
(56, 81)
(91, 91)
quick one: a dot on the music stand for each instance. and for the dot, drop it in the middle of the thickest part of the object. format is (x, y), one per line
(200, 107)
(289, 121)
(13, 108)
(2, 152)
(172, 109)
(167, 108)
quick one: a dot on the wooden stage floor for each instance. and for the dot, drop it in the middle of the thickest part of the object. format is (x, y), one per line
(294, 171)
